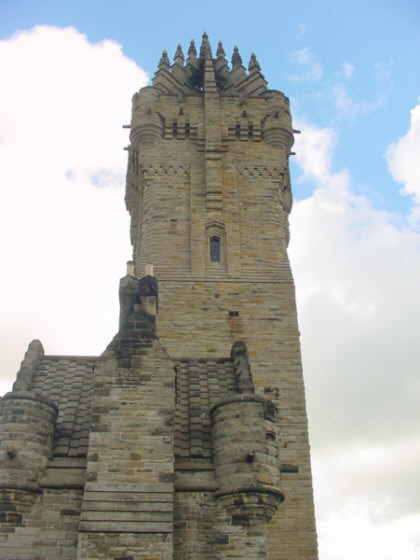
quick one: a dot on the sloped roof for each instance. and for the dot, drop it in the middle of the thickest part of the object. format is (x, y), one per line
(67, 381)
(200, 384)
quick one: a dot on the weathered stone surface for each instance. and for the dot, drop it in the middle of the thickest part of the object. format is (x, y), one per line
(182, 439)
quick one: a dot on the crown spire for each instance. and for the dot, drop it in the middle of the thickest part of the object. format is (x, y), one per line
(192, 51)
(220, 50)
(205, 49)
(164, 59)
(253, 65)
(236, 58)
(179, 56)
(199, 72)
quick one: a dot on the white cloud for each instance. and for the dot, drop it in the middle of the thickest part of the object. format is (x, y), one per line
(301, 31)
(403, 161)
(348, 108)
(308, 68)
(63, 223)
(382, 70)
(65, 239)
(362, 471)
(314, 150)
(348, 70)
(356, 270)
(353, 533)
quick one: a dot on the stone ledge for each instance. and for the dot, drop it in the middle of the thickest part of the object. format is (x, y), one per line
(227, 490)
(23, 487)
(241, 397)
(124, 527)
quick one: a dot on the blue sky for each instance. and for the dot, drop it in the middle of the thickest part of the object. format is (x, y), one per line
(351, 70)
(378, 39)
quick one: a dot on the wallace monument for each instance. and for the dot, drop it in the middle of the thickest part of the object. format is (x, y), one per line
(187, 438)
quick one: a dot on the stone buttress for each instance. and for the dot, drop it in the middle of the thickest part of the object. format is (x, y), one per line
(187, 438)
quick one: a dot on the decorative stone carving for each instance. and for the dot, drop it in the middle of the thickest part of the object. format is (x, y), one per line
(242, 368)
(190, 78)
(260, 171)
(160, 170)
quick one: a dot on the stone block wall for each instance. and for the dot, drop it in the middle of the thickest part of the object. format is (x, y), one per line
(48, 530)
(219, 166)
(127, 505)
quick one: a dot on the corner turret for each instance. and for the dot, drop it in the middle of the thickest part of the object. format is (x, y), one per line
(27, 428)
(245, 449)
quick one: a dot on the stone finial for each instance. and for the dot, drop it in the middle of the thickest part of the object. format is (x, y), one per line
(33, 356)
(220, 50)
(236, 58)
(192, 51)
(205, 49)
(179, 56)
(221, 68)
(164, 60)
(253, 65)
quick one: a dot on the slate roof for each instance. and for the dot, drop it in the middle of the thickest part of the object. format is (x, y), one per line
(67, 381)
(199, 385)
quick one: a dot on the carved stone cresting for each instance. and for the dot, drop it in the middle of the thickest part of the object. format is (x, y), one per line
(191, 76)
(260, 171)
(153, 170)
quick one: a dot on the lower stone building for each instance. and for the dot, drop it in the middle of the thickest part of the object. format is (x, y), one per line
(187, 438)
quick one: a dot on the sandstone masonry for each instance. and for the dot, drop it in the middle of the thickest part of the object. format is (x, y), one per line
(187, 438)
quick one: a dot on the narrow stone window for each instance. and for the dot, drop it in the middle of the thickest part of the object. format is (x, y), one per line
(215, 246)
(215, 249)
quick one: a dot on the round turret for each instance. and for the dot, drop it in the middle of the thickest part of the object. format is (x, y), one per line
(276, 133)
(27, 426)
(246, 457)
(146, 125)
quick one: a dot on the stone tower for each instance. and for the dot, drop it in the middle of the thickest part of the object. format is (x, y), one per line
(187, 438)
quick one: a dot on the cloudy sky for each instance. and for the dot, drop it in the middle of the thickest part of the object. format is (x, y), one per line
(69, 70)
